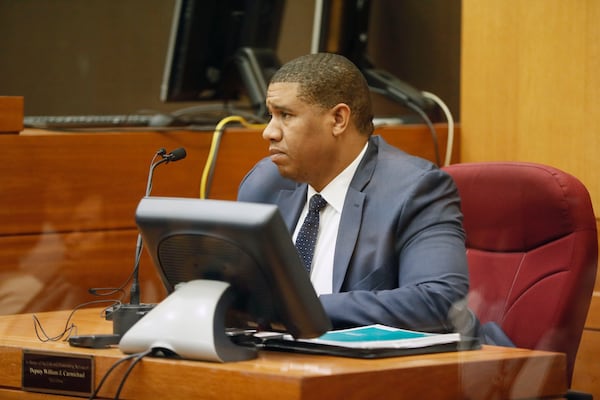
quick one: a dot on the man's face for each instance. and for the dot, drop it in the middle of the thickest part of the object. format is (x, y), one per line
(300, 134)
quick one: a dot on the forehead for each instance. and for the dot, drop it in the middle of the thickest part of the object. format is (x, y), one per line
(283, 95)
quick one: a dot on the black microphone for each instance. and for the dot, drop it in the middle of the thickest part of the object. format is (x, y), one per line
(175, 155)
(124, 316)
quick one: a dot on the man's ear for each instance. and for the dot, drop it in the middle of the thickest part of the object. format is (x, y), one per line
(341, 116)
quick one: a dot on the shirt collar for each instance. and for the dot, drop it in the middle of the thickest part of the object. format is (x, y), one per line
(335, 191)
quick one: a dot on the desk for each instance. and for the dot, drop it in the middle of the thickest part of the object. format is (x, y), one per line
(489, 373)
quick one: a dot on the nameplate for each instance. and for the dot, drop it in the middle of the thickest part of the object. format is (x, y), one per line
(57, 373)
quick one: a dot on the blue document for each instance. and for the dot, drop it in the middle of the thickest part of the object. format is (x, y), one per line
(381, 336)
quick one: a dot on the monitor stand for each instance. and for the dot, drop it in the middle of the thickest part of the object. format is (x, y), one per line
(190, 322)
(256, 67)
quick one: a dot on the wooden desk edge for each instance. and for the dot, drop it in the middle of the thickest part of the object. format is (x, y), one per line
(507, 372)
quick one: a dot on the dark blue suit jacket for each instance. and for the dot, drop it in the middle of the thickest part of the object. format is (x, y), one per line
(400, 255)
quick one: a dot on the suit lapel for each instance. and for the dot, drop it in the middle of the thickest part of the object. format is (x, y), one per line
(352, 215)
(347, 235)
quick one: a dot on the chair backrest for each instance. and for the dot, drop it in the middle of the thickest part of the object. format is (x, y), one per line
(532, 249)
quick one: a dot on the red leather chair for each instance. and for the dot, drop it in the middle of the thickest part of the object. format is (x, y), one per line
(532, 249)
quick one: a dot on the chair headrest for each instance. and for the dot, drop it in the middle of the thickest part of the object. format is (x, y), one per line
(517, 206)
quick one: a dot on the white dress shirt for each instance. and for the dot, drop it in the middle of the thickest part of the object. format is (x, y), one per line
(321, 272)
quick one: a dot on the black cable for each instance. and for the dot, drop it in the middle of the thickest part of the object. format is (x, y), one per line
(109, 291)
(68, 330)
(107, 374)
(135, 362)
(425, 118)
(410, 104)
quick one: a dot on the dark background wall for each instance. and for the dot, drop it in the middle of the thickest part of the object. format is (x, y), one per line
(107, 56)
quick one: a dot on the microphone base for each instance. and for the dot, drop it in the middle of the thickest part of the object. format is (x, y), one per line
(124, 316)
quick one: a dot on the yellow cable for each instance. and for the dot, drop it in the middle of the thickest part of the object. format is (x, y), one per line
(215, 145)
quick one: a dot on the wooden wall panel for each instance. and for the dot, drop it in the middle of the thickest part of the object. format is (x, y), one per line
(530, 91)
(529, 84)
(53, 271)
(68, 200)
(585, 376)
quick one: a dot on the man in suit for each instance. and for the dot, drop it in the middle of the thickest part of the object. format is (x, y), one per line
(390, 247)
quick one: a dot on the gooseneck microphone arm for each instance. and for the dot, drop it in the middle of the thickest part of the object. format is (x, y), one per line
(124, 316)
(175, 155)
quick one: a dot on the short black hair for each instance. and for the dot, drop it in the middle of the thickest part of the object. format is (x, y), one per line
(327, 79)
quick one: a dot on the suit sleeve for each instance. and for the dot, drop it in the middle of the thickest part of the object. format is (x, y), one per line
(415, 274)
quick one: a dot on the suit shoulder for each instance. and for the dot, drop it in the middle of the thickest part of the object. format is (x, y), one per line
(405, 169)
(397, 158)
(263, 183)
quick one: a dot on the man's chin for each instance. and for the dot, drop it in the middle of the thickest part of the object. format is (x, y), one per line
(278, 159)
(284, 170)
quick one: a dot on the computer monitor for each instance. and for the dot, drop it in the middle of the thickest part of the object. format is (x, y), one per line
(210, 243)
(220, 49)
(342, 27)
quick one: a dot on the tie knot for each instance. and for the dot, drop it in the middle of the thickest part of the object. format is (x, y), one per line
(317, 203)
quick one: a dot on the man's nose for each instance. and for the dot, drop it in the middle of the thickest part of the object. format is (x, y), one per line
(272, 131)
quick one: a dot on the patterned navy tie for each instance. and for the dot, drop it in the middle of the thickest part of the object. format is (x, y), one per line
(307, 237)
